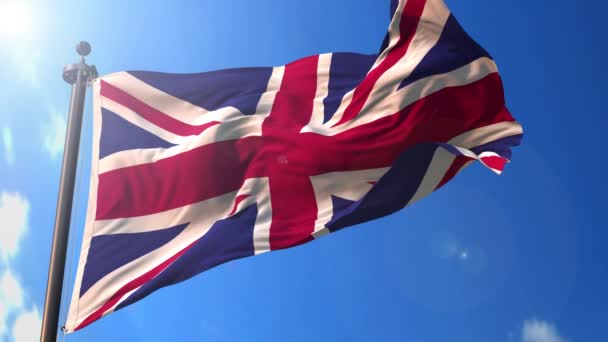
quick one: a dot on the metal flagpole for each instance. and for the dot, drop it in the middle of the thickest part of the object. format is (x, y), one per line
(78, 76)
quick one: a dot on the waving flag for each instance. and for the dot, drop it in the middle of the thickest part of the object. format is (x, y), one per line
(193, 170)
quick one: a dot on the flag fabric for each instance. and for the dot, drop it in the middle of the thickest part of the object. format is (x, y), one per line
(190, 171)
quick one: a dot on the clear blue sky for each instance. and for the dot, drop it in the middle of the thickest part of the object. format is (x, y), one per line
(486, 258)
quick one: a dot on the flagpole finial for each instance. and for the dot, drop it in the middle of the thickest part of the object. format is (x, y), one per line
(72, 72)
(83, 48)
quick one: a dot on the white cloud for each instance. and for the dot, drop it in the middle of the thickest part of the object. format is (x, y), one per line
(27, 326)
(540, 331)
(54, 134)
(7, 141)
(10, 290)
(14, 211)
(11, 298)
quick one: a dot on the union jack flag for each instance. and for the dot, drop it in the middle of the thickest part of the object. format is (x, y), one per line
(193, 170)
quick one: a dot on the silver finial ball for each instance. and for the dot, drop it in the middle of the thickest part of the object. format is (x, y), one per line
(83, 49)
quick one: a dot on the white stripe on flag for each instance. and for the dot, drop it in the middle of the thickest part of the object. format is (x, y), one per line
(166, 103)
(267, 99)
(483, 135)
(428, 32)
(97, 295)
(236, 128)
(197, 212)
(396, 102)
(318, 109)
(440, 164)
(350, 185)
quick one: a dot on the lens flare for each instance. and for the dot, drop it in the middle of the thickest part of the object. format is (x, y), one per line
(15, 18)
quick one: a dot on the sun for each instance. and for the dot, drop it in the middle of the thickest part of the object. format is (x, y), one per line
(15, 18)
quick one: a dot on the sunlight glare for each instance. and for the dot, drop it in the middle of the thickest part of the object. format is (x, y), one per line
(15, 18)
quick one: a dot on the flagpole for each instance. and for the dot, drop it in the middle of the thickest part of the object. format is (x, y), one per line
(78, 76)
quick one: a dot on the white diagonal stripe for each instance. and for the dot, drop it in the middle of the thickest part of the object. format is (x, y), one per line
(173, 106)
(396, 102)
(350, 185)
(440, 164)
(236, 128)
(428, 32)
(267, 99)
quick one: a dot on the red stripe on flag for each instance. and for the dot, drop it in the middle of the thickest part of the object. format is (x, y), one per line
(408, 25)
(151, 114)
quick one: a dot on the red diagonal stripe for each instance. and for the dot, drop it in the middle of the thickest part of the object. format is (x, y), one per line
(151, 114)
(408, 25)
(130, 286)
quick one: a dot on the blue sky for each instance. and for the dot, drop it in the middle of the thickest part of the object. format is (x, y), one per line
(520, 257)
